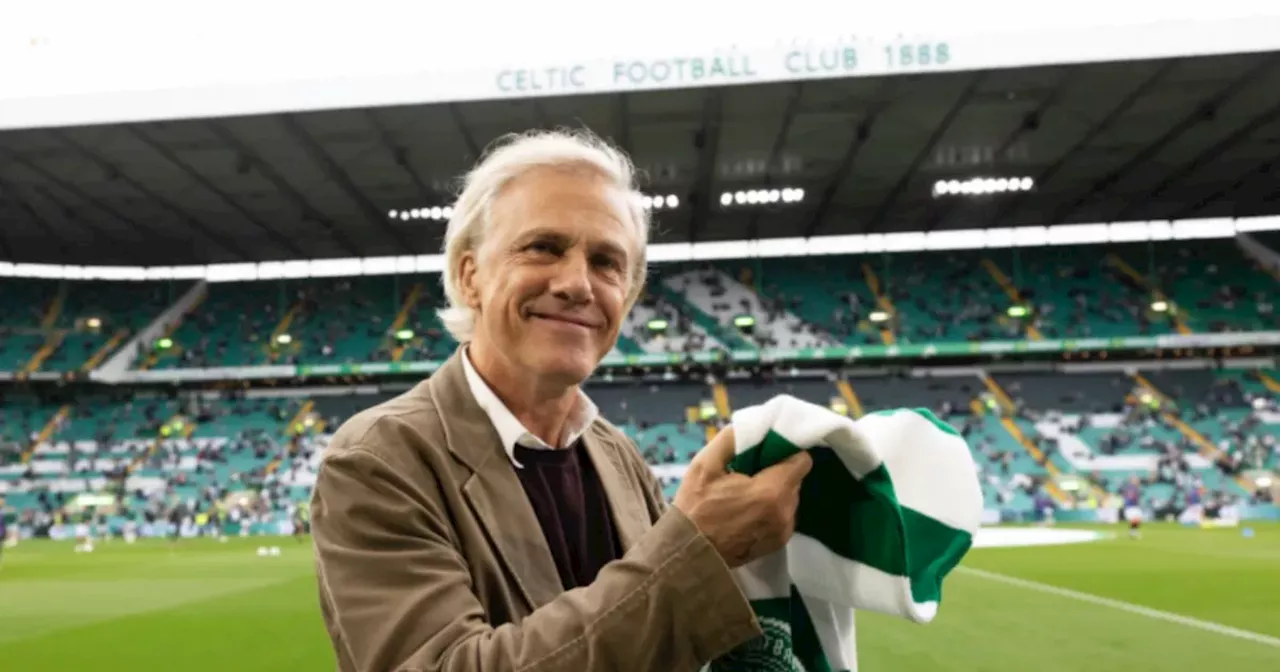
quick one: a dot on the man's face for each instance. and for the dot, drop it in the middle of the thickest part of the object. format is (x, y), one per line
(551, 280)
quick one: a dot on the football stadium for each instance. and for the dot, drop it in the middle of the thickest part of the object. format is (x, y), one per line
(1059, 235)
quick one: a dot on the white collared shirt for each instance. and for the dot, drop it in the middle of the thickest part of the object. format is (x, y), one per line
(511, 431)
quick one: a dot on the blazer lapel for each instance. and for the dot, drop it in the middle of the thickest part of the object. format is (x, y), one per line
(493, 491)
(626, 504)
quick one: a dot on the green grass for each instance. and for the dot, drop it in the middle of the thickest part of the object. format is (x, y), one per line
(210, 606)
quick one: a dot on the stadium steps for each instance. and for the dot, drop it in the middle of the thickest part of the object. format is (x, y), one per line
(653, 306)
(720, 394)
(789, 329)
(188, 428)
(850, 397)
(46, 432)
(106, 349)
(1205, 446)
(1012, 428)
(51, 344)
(402, 317)
(708, 322)
(299, 418)
(873, 283)
(297, 426)
(54, 311)
(153, 355)
(1014, 295)
(1268, 382)
(1156, 293)
(282, 327)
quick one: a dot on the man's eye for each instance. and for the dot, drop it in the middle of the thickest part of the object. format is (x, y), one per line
(543, 246)
(608, 262)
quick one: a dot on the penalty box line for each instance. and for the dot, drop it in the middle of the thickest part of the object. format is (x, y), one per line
(1169, 617)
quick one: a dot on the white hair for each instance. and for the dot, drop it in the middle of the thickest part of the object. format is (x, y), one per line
(508, 158)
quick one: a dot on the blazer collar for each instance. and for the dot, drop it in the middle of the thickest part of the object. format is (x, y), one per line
(493, 491)
(496, 497)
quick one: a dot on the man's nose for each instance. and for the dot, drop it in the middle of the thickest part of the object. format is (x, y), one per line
(572, 281)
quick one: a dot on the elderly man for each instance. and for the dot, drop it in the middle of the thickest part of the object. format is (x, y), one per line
(490, 519)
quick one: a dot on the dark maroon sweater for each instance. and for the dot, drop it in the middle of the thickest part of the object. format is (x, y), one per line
(565, 491)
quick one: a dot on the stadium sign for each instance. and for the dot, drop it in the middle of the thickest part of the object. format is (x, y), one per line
(837, 353)
(73, 79)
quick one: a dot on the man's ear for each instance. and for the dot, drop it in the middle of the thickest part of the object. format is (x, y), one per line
(467, 279)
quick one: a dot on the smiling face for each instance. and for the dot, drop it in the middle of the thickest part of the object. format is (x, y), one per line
(551, 280)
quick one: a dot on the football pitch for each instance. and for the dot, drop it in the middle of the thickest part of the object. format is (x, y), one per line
(1177, 599)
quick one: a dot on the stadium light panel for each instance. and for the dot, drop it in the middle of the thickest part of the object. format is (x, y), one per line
(1160, 230)
(436, 213)
(1030, 236)
(788, 195)
(903, 242)
(1251, 224)
(982, 186)
(728, 249)
(660, 201)
(335, 268)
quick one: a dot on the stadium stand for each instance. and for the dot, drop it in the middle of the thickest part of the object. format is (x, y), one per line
(1107, 429)
(928, 297)
(65, 325)
(1181, 433)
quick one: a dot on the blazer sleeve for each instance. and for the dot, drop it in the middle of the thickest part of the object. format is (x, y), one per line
(398, 594)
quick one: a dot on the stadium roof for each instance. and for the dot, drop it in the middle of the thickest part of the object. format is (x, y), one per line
(1132, 141)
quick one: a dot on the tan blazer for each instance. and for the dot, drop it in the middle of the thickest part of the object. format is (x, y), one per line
(429, 556)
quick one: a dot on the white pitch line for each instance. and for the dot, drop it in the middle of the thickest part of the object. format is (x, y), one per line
(1208, 626)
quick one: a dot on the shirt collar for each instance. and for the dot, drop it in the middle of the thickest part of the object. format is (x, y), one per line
(510, 430)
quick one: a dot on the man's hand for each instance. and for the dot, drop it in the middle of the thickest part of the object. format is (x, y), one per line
(745, 517)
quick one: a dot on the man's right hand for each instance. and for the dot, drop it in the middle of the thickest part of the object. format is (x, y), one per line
(745, 517)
